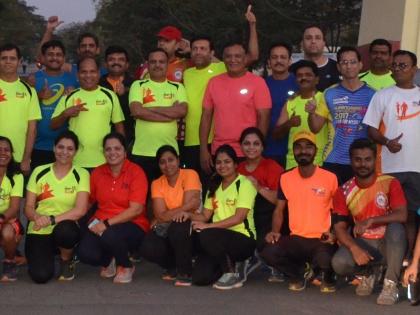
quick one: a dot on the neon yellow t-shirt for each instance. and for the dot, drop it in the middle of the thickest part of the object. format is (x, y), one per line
(7, 190)
(56, 196)
(297, 105)
(225, 202)
(195, 82)
(91, 126)
(18, 105)
(151, 135)
(377, 82)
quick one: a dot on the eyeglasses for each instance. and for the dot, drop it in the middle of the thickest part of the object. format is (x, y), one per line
(401, 65)
(348, 62)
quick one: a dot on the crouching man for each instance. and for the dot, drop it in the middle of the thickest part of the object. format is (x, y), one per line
(377, 206)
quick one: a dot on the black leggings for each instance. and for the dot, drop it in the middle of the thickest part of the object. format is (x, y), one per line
(117, 241)
(173, 251)
(220, 249)
(41, 249)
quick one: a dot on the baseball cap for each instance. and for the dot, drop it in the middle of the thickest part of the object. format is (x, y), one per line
(305, 135)
(170, 32)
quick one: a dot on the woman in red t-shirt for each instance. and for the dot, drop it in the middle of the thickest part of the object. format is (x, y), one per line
(265, 175)
(119, 225)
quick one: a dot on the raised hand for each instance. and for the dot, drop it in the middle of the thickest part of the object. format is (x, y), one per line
(310, 106)
(46, 92)
(250, 16)
(53, 22)
(74, 111)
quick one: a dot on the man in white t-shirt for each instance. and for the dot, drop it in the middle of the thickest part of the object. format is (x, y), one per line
(393, 117)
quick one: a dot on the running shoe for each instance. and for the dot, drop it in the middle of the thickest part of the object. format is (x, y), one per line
(183, 281)
(124, 275)
(10, 271)
(109, 271)
(66, 270)
(227, 281)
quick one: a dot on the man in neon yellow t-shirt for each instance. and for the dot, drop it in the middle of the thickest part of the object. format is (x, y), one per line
(90, 110)
(195, 82)
(294, 118)
(380, 57)
(156, 104)
(19, 107)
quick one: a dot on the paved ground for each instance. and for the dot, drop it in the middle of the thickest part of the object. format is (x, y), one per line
(88, 294)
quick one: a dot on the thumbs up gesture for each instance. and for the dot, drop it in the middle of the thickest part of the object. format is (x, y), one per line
(394, 145)
(46, 92)
(294, 120)
(310, 106)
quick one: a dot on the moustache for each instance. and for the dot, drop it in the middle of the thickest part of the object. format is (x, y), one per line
(303, 81)
(116, 65)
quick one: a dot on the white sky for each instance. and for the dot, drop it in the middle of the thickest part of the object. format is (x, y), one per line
(68, 10)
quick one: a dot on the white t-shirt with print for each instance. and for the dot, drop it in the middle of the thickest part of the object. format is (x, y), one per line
(394, 111)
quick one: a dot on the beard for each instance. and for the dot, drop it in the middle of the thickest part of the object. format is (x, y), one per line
(304, 160)
(364, 172)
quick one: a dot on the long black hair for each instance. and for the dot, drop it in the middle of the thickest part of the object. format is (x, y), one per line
(13, 167)
(216, 179)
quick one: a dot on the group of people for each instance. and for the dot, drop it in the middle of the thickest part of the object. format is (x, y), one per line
(309, 171)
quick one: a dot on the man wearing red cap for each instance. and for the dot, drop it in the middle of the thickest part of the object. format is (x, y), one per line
(170, 40)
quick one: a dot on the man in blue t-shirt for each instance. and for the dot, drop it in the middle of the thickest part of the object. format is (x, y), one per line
(282, 85)
(347, 103)
(51, 84)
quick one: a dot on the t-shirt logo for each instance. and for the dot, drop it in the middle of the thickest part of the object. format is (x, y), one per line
(319, 191)
(243, 91)
(69, 190)
(230, 202)
(214, 204)
(20, 94)
(2, 96)
(168, 96)
(46, 192)
(148, 96)
(402, 111)
(77, 102)
(381, 200)
(100, 102)
(178, 74)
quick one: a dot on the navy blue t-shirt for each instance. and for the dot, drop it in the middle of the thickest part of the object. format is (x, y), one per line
(280, 91)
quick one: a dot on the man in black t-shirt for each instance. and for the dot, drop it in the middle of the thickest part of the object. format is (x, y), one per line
(313, 45)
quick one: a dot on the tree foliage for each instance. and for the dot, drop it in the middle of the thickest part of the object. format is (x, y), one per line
(134, 23)
(20, 25)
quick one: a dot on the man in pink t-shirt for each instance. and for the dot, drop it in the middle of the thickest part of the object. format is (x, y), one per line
(234, 100)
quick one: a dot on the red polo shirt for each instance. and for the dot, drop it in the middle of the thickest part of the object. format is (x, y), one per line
(113, 194)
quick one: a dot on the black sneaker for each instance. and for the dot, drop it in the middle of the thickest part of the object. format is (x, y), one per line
(9, 271)
(67, 270)
(327, 282)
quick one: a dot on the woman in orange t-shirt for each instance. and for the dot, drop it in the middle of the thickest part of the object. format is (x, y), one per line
(177, 190)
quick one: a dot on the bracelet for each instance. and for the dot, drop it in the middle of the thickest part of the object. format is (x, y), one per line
(106, 223)
(52, 219)
(387, 142)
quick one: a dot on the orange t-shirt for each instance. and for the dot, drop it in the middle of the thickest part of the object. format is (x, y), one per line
(309, 201)
(174, 196)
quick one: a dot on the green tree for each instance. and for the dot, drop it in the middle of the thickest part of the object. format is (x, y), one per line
(20, 25)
